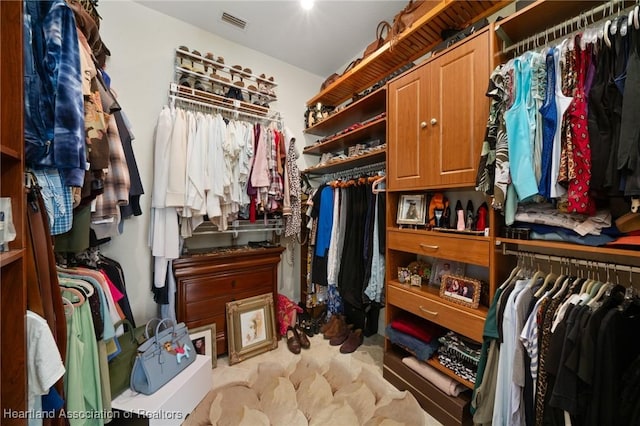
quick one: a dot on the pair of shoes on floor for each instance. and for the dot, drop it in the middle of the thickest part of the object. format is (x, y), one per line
(349, 340)
(296, 339)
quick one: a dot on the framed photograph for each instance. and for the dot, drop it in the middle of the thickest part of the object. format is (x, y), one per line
(442, 267)
(251, 327)
(462, 290)
(204, 341)
(411, 209)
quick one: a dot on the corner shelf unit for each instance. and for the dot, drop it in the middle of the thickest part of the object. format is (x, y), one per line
(410, 45)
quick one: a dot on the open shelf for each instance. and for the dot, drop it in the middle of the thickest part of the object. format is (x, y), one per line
(539, 16)
(348, 163)
(10, 256)
(410, 45)
(362, 134)
(369, 106)
(572, 250)
(441, 368)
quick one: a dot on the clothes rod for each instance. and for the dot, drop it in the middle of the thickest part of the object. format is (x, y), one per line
(217, 107)
(566, 28)
(354, 172)
(577, 262)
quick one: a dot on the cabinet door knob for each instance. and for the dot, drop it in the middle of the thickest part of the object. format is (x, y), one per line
(423, 124)
(423, 309)
(434, 121)
(428, 246)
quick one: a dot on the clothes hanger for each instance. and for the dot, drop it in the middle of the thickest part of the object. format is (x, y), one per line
(534, 279)
(551, 276)
(376, 184)
(556, 282)
(68, 307)
(78, 294)
(636, 22)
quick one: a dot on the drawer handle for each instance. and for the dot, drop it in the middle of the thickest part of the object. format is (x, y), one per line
(233, 283)
(428, 246)
(423, 309)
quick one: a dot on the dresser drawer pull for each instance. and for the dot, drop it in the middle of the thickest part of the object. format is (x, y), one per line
(428, 246)
(423, 309)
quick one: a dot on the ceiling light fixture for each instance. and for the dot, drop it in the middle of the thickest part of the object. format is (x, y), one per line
(306, 4)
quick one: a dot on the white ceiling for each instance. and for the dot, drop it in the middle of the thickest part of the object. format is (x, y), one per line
(320, 41)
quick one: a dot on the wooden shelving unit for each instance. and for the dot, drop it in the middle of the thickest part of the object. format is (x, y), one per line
(13, 293)
(410, 45)
(372, 130)
(348, 163)
(441, 368)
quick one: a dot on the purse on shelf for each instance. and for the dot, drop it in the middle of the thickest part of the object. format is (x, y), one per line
(162, 357)
(383, 30)
(410, 14)
(121, 365)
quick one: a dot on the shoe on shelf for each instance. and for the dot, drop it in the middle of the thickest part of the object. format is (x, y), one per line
(470, 216)
(293, 343)
(353, 342)
(460, 218)
(481, 217)
(302, 337)
(197, 63)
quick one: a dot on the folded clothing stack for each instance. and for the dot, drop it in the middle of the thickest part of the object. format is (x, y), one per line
(417, 327)
(423, 351)
(438, 379)
(459, 355)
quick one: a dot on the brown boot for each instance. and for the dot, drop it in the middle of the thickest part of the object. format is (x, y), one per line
(341, 336)
(338, 325)
(352, 343)
(328, 324)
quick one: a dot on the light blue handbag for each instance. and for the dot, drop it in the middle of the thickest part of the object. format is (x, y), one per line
(162, 357)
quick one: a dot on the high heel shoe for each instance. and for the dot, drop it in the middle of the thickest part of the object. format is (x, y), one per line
(481, 217)
(460, 222)
(469, 222)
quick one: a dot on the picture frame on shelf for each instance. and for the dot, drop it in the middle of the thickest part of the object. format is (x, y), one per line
(461, 290)
(251, 327)
(443, 267)
(411, 209)
(204, 341)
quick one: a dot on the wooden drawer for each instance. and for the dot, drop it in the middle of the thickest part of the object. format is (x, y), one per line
(467, 249)
(206, 286)
(465, 321)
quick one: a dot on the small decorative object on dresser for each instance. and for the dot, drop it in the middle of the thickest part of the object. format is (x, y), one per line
(404, 274)
(411, 210)
(462, 290)
(251, 327)
(204, 340)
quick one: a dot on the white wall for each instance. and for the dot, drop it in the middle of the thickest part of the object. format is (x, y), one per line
(142, 43)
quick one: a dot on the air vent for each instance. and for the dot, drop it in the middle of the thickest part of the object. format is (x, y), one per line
(234, 20)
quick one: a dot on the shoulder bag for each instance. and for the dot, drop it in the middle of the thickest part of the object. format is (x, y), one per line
(121, 365)
(162, 357)
(382, 33)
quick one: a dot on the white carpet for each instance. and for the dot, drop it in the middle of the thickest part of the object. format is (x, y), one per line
(342, 371)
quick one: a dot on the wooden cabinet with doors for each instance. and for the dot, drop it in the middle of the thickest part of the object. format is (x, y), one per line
(436, 122)
(13, 295)
(437, 115)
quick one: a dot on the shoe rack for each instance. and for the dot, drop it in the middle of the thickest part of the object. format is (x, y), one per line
(207, 81)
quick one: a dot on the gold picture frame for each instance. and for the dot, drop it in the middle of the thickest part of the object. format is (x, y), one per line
(411, 209)
(461, 290)
(204, 341)
(251, 327)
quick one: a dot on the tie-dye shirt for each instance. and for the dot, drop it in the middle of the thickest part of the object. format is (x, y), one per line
(53, 101)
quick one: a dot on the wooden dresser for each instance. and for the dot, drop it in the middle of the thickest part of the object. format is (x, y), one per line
(207, 281)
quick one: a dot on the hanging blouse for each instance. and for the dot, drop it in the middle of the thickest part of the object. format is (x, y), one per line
(519, 124)
(502, 177)
(579, 199)
(562, 104)
(549, 113)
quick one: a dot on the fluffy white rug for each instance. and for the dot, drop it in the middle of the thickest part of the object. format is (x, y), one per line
(320, 386)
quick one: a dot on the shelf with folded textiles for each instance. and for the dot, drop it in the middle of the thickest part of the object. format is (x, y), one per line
(369, 106)
(235, 69)
(359, 132)
(570, 249)
(411, 44)
(433, 361)
(344, 163)
(209, 100)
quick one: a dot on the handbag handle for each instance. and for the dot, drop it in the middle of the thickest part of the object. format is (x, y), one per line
(166, 327)
(126, 322)
(146, 327)
(382, 25)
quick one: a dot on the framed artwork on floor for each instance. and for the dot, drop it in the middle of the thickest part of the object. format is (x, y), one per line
(251, 327)
(204, 341)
